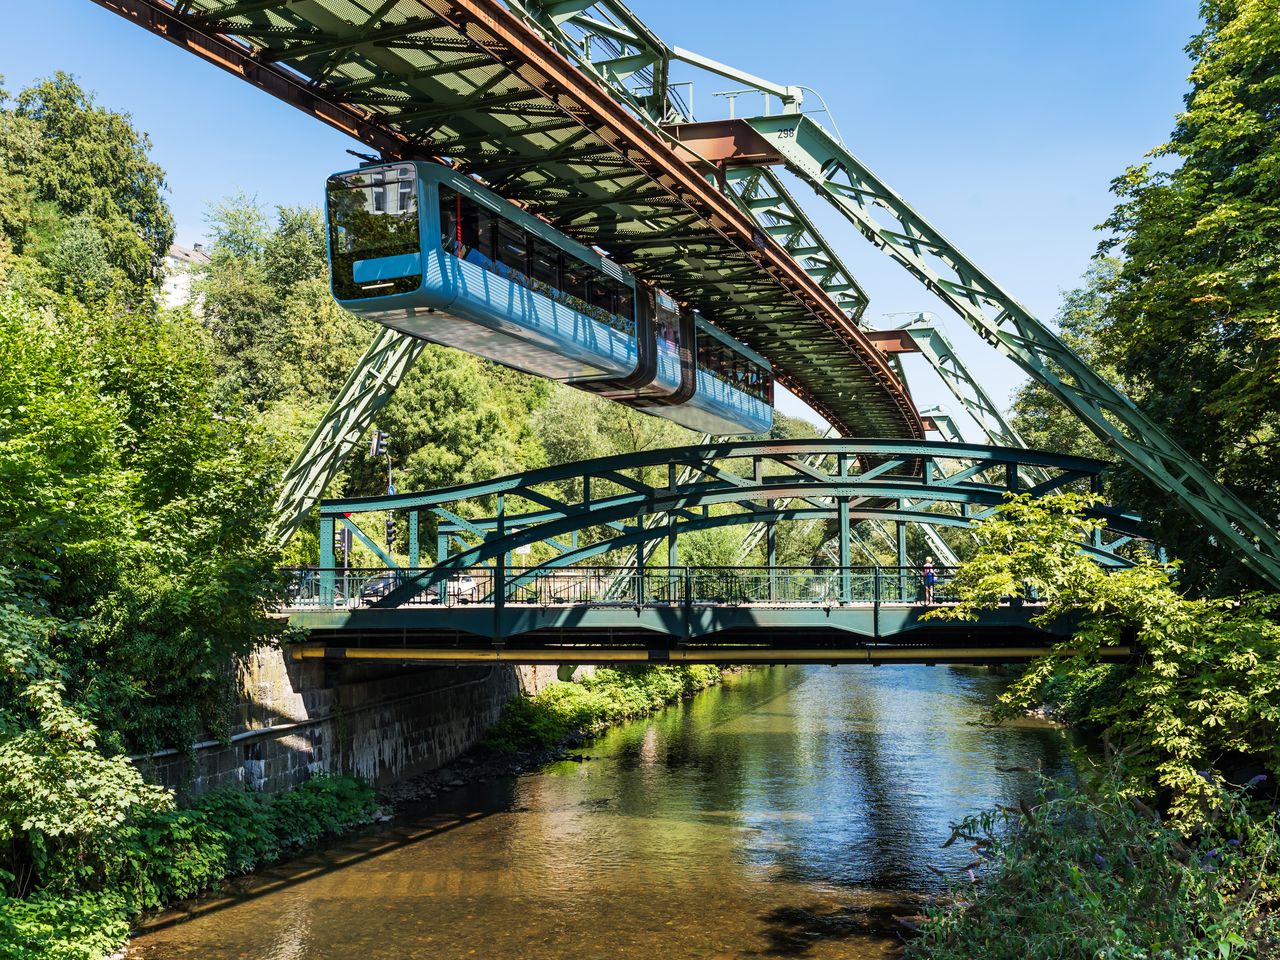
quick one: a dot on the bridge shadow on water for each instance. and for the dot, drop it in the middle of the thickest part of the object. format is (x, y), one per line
(292, 872)
(795, 931)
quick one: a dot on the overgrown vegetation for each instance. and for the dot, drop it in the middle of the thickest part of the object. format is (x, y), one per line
(92, 888)
(1089, 873)
(596, 701)
(1205, 694)
(1092, 869)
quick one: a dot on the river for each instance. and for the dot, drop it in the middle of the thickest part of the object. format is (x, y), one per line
(787, 812)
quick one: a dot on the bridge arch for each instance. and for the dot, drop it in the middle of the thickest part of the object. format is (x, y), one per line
(848, 481)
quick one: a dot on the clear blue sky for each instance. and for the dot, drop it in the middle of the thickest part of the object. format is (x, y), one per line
(1001, 121)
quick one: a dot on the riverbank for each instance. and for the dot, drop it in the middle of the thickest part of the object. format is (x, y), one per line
(85, 910)
(779, 811)
(182, 853)
(561, 717)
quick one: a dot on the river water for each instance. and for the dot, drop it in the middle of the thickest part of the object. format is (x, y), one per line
(789, 812)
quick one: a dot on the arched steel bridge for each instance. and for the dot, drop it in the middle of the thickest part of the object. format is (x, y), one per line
(472, 602)
(567, 106)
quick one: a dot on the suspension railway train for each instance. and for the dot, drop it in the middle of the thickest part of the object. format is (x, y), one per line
(425, 251)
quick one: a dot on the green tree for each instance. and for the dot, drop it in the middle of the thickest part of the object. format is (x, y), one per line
(1205, 695)
(90, 160)
(78, 260)
(1195, 309)
(1041, 419)
(135, 507)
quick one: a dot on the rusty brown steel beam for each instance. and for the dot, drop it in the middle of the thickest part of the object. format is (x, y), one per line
(893, 341)
(490, 27)
(238, 59)
(514, 44)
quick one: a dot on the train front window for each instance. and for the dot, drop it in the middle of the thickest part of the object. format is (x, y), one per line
(372, 214)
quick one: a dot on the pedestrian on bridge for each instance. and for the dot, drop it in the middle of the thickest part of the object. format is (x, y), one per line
(930, 579)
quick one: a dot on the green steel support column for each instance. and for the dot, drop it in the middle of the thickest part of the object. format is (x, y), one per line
(759, 192)
(901, 536)
(771, 549)
(368, 388)
(327, 561)
(846, 579)
(442, 554)
(499, 572)
(883, 217)
(415, 551)
(937, 349)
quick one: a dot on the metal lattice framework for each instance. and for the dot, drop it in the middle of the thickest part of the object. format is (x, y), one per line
(820, 159)
(567, 107)
(587, 510)
(471, 82)
(367, 390)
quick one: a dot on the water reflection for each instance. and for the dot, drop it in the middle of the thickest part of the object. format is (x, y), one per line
(775, 816)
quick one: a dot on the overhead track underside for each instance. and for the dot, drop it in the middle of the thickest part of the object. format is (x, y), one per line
(470, 82)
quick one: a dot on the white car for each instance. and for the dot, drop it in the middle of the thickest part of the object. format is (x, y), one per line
(462, 589)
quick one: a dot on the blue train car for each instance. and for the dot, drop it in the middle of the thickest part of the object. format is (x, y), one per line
(421, 249)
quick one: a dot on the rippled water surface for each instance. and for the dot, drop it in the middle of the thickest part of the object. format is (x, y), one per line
(782, 814)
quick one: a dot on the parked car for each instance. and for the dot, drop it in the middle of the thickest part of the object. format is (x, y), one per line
(379, 586)
(462, 589)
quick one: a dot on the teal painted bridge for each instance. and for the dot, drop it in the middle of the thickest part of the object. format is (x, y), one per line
(473, 602)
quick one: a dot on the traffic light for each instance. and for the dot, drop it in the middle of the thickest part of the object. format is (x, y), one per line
(391, 527)
(377, 444)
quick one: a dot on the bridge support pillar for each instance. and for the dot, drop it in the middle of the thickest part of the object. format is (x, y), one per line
(415, 548)
(328, 563)
(846, 574)
(442, 554)
(500, 573)
(903, 579)
(771, 550)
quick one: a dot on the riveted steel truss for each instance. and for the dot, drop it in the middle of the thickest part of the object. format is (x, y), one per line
(731, 484)
(371, 384)
(884, 218)
(821, 159)
(471, 82)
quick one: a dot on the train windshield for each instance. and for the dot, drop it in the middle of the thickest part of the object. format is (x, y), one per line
(373, 214)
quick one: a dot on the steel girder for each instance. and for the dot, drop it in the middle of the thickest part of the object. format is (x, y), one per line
(884, 218)
(763, 195)
(872, 480)
(472, 82)
(370, 385)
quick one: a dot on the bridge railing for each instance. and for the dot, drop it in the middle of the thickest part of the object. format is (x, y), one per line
(312, 588)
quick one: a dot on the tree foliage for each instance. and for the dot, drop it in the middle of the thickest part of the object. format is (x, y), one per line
(1204, 695)
(92, 170)
(1085, 872)
(1194, 312)
(1040, 417)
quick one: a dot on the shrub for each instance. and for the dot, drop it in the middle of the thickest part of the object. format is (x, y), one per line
(152, 861)
(593, 703)
(1086, 872)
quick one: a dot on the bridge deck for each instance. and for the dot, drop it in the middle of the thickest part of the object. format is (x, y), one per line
(676, 633)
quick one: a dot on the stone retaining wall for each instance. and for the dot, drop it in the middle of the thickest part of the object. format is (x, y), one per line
(380, 722)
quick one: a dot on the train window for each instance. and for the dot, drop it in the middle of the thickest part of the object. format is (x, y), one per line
(478, 228)
(626, 305)
(468, 228)
(450, 204)
(512, 243)
(576, 277)
(372, 214)
(600, 294)
(544, 262)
